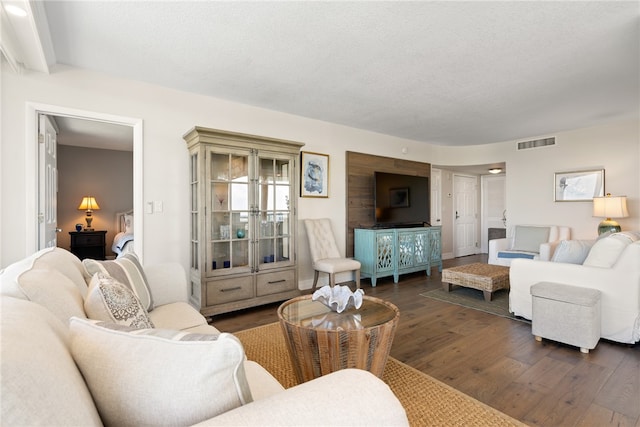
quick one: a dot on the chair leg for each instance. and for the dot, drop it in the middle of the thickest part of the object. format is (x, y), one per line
(315, 280)
(332, 279)
(357, 279)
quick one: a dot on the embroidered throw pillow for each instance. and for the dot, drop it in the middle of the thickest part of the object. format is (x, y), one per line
(126, 270)
(159, 377)
(111, 301)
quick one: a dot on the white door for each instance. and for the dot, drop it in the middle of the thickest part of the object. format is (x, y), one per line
(465, 228)
(493, 206)
(47, 183)
(436, 197)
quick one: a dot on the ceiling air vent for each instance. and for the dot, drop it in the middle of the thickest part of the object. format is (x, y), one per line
(525, 145)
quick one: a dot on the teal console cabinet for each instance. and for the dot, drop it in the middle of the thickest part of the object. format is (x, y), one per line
(396, 251)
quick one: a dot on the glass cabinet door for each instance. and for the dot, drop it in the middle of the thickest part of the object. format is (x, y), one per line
(229, 227)
(274, 194)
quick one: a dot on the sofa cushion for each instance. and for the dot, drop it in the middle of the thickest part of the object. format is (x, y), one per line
(605, 252)
(176, 315)
(127, 270)
(529, 238)
(9, 285)
(111, 301)
(66, 263)
(41, 384)
(53, 290)
(159, 377)
(572, 251)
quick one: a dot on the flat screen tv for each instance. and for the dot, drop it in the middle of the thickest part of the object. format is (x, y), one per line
(401, 200)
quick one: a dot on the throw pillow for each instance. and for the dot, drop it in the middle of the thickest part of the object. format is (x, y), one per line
(177, 379)
(605, 252)
(126, 270)
(110, 300)
(572, 251)
(529, 239)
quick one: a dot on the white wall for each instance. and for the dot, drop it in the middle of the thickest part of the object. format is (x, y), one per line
(168, 114)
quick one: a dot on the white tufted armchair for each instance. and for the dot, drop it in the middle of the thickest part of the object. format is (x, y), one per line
(325, 254)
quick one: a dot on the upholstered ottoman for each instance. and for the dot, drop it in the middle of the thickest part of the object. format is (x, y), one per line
(568, 314)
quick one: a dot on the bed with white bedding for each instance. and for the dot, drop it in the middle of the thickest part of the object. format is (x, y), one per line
(123, 240)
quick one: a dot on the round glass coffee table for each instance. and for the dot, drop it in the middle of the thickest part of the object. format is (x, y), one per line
(321, 341)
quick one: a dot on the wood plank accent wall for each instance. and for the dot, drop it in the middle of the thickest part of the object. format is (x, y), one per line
(359, 176)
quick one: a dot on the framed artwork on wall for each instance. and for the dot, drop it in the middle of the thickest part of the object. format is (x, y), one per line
(314, 171)
(578, 186)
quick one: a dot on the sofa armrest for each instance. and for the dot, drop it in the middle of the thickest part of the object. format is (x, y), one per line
(168, 283)
(350, 397)
(498, 245)
(546, 251)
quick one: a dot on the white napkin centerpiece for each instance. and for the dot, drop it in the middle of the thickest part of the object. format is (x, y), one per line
(339, 297)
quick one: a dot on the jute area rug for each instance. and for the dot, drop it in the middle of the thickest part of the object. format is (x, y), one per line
(427, 401)
(473, 298)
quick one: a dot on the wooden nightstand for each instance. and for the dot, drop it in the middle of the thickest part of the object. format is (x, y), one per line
(88, 244)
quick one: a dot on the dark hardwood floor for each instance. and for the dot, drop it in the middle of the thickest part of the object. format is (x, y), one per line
(496, 360)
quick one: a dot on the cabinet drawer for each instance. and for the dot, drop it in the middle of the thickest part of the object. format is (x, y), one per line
(228, 290)
(273, 283)
(88, 239)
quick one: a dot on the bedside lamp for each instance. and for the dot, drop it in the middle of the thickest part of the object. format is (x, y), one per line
(88, 204)
(610, 207)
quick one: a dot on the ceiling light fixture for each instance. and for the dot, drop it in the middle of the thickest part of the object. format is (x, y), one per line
(495, 170)
(15, 10)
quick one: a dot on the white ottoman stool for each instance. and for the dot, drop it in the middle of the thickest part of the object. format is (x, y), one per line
(568, 314)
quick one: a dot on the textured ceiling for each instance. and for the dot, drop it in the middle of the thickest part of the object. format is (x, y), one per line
(453, 73)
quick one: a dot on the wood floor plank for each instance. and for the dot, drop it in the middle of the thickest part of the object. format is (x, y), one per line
(620, 393)
(545, 375)
(566, 403)
(598, 416)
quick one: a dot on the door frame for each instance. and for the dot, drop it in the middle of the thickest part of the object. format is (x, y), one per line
(33, 110)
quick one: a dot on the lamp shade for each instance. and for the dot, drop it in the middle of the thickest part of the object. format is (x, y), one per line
(88, 203)
(610, 206)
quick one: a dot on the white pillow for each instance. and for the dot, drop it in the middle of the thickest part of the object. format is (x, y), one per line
(111, 301)
(159, 377)
(605, 252)
(528, 239)
(126, 270)
(128, 224)
(572, 251)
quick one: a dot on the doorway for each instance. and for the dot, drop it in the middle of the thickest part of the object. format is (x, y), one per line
(34, 111)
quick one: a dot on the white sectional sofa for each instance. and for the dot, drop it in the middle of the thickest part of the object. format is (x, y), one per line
(612, 266)
(528, 242)
(58, 368)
